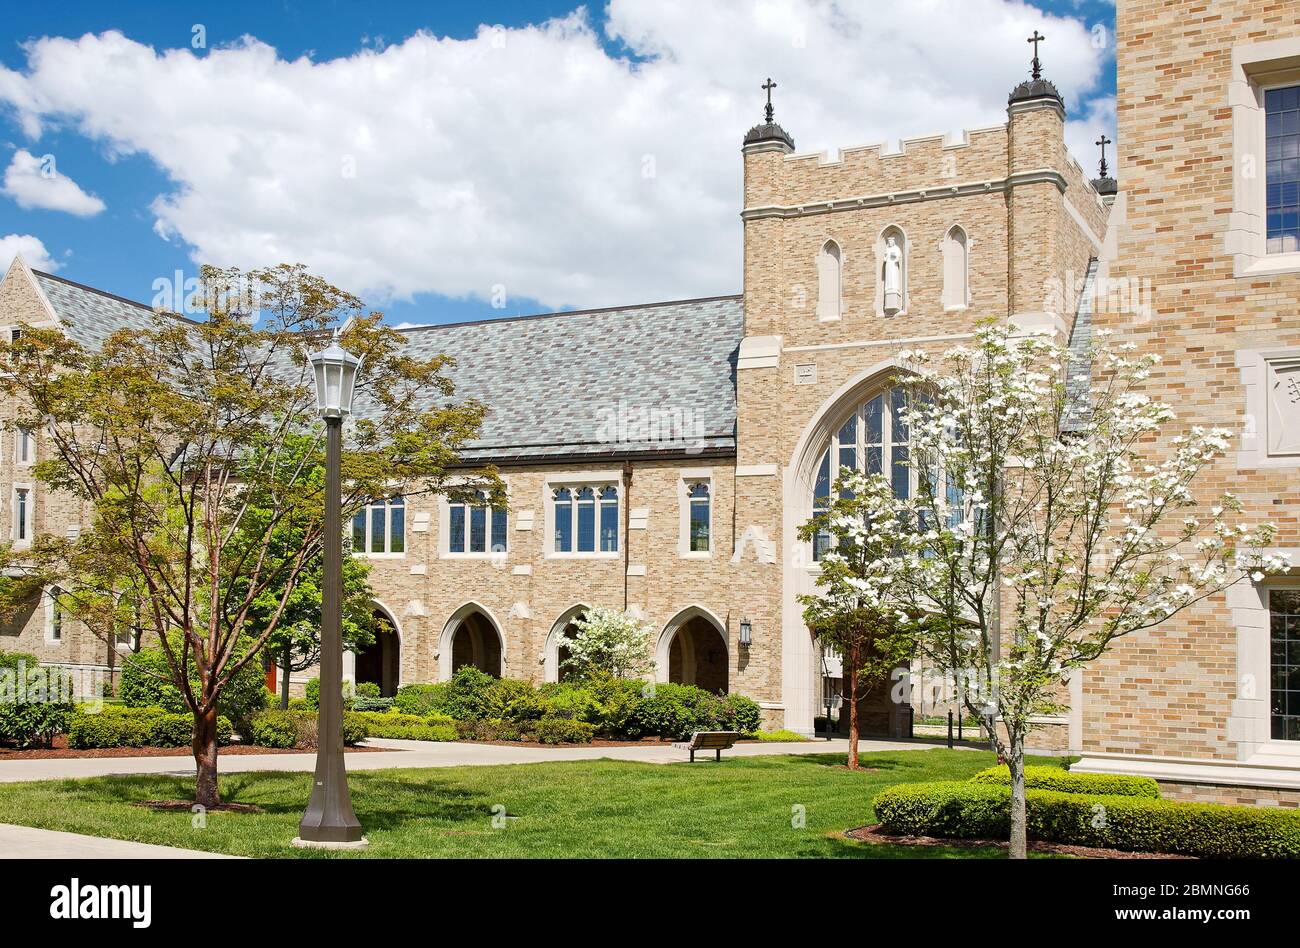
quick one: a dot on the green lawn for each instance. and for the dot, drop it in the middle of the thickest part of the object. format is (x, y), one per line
(742, 807)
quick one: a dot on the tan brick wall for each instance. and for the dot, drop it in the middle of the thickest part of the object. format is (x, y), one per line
(52, 513)
(1169, 691)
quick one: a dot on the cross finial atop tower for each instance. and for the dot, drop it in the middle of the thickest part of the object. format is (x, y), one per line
(769, 86)
(1103, 142)
(1035, 67)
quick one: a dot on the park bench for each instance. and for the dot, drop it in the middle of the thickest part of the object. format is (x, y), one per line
(716, 741)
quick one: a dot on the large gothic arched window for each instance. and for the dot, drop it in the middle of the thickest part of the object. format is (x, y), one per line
(874, 440)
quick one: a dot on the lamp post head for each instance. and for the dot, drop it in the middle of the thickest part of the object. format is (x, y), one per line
(336, 376)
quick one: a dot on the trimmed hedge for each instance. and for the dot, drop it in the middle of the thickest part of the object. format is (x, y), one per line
(491, 709)
(117, 726)
(408, 727)
(1065, 781)
(983, 811)
(297, 729)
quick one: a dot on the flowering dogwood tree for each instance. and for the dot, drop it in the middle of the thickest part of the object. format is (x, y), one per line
(610, 642)
(854, 611)
(1042, 528)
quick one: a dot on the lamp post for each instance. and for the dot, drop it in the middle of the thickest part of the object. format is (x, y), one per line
(329, 822)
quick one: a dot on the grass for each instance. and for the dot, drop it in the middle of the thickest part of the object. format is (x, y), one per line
(743, 807)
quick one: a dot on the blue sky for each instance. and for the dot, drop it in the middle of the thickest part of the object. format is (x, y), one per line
(591, 161)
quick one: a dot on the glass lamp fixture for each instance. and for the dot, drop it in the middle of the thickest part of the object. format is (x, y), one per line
(336, 376)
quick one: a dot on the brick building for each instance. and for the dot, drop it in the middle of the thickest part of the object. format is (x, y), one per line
(661, 457)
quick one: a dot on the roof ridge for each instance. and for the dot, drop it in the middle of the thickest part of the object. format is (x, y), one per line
(113, 296)
(573, 312)
(466, 322)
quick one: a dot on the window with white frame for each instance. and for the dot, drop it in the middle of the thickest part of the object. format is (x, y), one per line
(22, 514)
(24, 446)
(380, 527)
(585, 518)
(1262, 233)
(873, 440)
(700, 524)
(1284, 642)
(55, 631)
(695, 495)
(476, 528)
(1282, 181)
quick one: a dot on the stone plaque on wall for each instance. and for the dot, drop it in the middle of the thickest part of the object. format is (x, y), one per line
(805, 374)
(1284, 407)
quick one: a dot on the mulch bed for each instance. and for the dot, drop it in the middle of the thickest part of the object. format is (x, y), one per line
(188, 805)
(874, 834)
(61, 751)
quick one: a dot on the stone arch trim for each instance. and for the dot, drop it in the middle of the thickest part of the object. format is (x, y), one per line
(664, 646)
(551, 650)
(449, 632)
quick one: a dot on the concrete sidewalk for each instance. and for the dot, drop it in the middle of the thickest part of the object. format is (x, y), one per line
(24, 842)
(408, 754)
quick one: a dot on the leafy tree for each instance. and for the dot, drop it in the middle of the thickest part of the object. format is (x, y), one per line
(610, 642)
(1042, 530)
(295, 642)
(852, 612)
(174, 437)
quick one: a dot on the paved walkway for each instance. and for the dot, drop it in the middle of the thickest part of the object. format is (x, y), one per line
(24, 842)
(414, 754)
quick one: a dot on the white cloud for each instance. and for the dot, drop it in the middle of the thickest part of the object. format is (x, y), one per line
(1081, 134)
(32, 249)
(529, 158)
(37, 183)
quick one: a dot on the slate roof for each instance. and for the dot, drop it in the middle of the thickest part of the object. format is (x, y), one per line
(1078, 371)
(88, 315)
(651, 380)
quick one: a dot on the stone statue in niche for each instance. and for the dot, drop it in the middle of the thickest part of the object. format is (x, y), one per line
(892, 275)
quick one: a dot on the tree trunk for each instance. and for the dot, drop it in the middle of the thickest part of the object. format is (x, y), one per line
(1016, 764)
(284, 685)
(853, 707)
(205, 759)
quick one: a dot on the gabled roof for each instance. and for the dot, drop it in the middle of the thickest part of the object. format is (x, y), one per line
(89, 315)
(650, 380)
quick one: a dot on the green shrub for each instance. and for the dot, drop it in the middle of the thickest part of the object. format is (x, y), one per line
(1137, 823)
(674, 711)
(9, 661)
(365, 703)
(276, 728)
(35, 700)
(364, 689)
(118, 726)
(739, 713)
(421, 699)
(561, 731)
(146, 683)
(466, 694)
(298, 704)
(1065, 781)
(312, 694)
(509, 699)
(408, 727)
